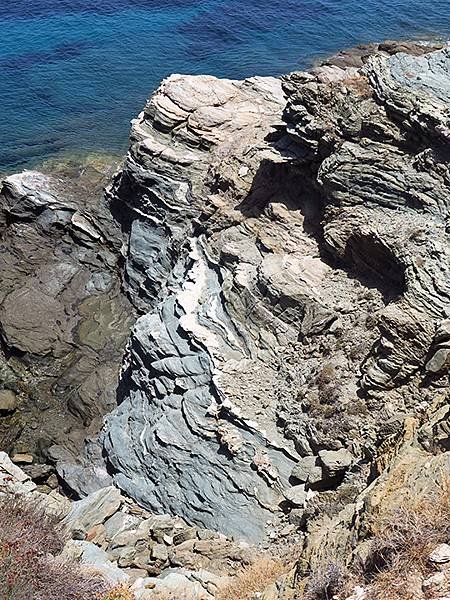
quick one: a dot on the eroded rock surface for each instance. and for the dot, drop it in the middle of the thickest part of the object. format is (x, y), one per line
(152, 555)
(287, 248)
(285, 245)
(64, 321)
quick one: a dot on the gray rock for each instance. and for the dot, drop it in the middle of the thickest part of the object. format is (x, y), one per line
(297, 496)
(335, 462)
(92, 556)
(308, 471)
(231, 220)
(93, 510)
(174, 398)
(119, 523)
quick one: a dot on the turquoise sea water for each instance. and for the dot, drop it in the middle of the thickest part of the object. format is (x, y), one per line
(74, 72)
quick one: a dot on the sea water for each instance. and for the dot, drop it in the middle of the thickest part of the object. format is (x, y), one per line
(74, 72)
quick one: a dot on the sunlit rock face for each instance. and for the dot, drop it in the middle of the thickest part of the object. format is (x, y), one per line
(286, 249)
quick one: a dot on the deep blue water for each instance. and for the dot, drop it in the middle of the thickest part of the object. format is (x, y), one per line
(74, 72)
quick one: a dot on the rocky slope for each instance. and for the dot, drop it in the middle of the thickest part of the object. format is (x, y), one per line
(284, 244)
(64, 319)
(295, 297)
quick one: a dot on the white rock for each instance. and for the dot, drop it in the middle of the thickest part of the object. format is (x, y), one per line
(297, 495)
(441, 554)
(434, 582)
(359, 593)
(90, 554)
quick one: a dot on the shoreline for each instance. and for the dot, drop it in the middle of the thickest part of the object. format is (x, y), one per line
(351, 53)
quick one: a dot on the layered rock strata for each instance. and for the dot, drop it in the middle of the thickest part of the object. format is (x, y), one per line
(284, 243)
(287, 248)
(64, 320)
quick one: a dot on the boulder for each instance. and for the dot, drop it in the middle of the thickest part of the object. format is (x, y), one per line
(308, 471)
(297, 496)
(335, 462)
(93, 510)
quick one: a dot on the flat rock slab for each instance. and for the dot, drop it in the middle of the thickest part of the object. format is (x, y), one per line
(93, 509)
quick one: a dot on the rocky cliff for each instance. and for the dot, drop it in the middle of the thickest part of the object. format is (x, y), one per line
(284, 246)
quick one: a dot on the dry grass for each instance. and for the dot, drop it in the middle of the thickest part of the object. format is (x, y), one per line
(327, 583)
(253, 579)
(30, 566)
(398, 558)
(120, 592)
(400, 550)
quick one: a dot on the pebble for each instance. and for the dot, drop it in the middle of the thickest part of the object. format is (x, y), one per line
(22, 459)
(441, 554)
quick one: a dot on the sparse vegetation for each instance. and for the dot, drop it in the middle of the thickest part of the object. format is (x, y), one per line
(253, 579)
(401, 548)
(120, 592)
(398, 559)
(31, 567)
(333, 579)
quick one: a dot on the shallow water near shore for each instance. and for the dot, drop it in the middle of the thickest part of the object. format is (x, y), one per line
(73, 74)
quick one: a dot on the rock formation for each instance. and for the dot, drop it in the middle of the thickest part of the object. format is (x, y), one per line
(292, 280)
(284, 244)
(64, 321)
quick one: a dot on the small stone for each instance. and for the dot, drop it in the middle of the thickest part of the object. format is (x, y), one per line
(135, 574)
(335, 462)
(119, 525)
(38, 472)
(438, 361)
(22, 459)
(159, 552)
(190, 533)
(206, 534)
(433, 583)
(359, 593)
(297, 517)
(53, 482)
(296, 495)
(308, 471)
(440, 555)
(93, 510)
(8, 401)
(128, 558)
(287, 530)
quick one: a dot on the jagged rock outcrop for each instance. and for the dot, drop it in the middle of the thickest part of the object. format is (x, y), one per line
(181, 439)
(64, 320)
(292, 280)
(284, 244)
